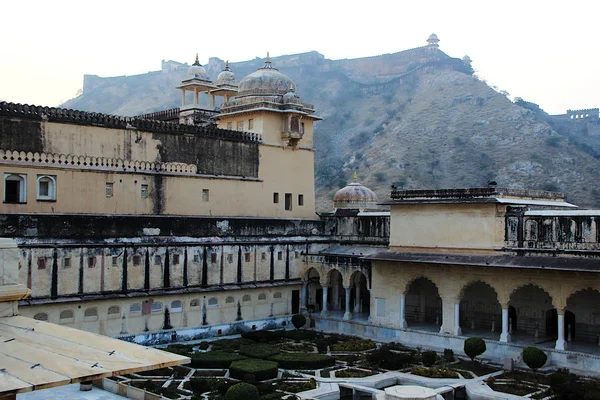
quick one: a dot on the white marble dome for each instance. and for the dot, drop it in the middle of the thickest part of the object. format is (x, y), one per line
(226, 77)
(265, 81)
(197, 70)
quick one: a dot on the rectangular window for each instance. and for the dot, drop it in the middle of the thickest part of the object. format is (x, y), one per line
(115, 261)
(175, 259)
(380, 307)
(41, 262)
(263, 256)
(46, 187)
(137, 259)
(250, 124)
(91, 261)
(288, 201)
(275, 197)
(229, 258)
(67, 262)
(280, 255)
(300, 199)
(144, 190)
(196, 258)
(109, 189)
(240, 125)
(213, 258)
(205, 195)
(157, 260)
(15, 188)
(247, 257)
(230, 125)
(302, 127)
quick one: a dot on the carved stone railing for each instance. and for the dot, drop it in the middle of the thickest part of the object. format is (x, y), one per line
(88, 162)
(54, 114)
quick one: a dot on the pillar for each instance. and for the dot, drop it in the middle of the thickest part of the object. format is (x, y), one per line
(348, 313)
(357, 302)
(182, 97)
(325, 310)
(560, 342)
(457, 330)
(195, 97)
(303, 297)
(505, 335)
(403, 323)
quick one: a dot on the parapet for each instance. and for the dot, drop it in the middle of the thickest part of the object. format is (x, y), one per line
(587, 113)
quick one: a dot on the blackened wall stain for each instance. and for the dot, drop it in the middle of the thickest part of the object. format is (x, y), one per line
(21, 134)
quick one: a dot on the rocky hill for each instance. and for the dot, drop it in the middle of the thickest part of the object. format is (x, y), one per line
(414, 119)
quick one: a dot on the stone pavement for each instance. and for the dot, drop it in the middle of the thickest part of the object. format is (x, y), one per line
(69, 392)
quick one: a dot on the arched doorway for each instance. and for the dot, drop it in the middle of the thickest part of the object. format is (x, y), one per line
(336, 295)
(423, 309)
(360, 299)
(480, 310)
(314, 291)
(582, 317)
(535, 315)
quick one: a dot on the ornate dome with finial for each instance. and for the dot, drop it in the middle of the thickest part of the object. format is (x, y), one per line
(291, 97)
(432, 38)
(226, 77)
(265, 81)
(197, 70)
(355, 196)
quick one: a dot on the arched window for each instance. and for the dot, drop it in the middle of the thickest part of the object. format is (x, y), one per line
(114, 311)
(277, 295)
(46, 187)
(176, 306)
(91, 313)
(213, 301)
(15, 188)
(195, 303)
(66, 314)
(229, 300)
(262, 296)
(246, 297)
(41, 316)
(135, 308)
(156, 307)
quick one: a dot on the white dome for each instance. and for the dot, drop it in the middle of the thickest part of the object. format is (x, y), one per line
(226, 77)
(197, 70)
(265, 81)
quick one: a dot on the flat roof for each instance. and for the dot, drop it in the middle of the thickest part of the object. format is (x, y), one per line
(38, 355)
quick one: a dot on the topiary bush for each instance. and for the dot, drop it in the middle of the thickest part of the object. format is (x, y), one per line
(474, 347)
(253, 369)
(214, 359)
(429, 358)
(259, 350)
(303, 360)
(298, 320)
(448, 355)
(242, 391)
(534, 357)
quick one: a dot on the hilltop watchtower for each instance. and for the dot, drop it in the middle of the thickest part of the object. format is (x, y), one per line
(433, 42)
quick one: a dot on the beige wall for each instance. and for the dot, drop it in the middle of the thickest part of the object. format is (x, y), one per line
(437, 227)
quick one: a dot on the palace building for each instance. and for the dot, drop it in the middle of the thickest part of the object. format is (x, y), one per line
(200, 220)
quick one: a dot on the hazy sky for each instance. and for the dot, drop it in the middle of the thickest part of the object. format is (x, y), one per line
(543, 51)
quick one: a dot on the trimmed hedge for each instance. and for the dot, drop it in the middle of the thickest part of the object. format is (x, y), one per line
(259, 351)
(384, 358)
(534, 357)
(214, 359)
(474, 347)
(354, 345)
(429, 358)
(253, 369)
(303, 360)
(301, 335)
(262, 336)
(230, 344)
(242, 391)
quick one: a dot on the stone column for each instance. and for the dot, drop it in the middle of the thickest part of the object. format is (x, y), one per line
(560, 342)
(457, 330)
(357, 302)
(505, 335)
(403, 323)
(303, 297)
(348, 313)
(195, 97)
(182, 97)
(325, 311)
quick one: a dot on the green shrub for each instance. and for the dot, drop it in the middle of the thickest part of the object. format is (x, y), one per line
(263, 336)
(303, 360)
(242, 391)
(203, 385)
(259, 370)
(214, 359)
(204, 345)
(298, 320)
(259, 350)
(354, 345)
(384, 358)
(301, 335)
(297, 386)
(534, 357)
(448, 355)
(230, 344)
(434, 372)
(429, 358)
(474, 347)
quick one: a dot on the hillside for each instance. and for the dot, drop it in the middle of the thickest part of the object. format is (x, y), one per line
(409, 119)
